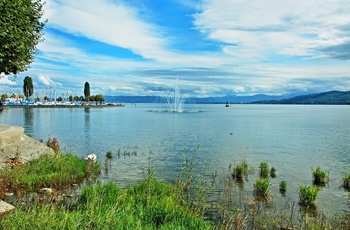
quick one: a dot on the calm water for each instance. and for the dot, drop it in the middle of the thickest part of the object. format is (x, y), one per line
(291, 138)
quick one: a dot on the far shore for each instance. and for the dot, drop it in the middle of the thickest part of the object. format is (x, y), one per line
(62, 106)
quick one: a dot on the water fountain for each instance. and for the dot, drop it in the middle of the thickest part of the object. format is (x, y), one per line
(175, 100)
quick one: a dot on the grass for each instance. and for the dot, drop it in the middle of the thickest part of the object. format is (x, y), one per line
(264, 169)
(308, 195)
(320, 177)
(262, 187)
(49, 170)
(283, 187)
(346, 181)
(240, 170)
(273, 172)
(150, 204)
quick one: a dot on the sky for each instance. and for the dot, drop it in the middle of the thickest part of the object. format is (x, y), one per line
(207, 47)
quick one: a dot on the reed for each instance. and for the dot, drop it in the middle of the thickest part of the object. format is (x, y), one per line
(264, 169)
(262, 187)
(320, 177)
(308, 195)
(346, 181)
(283, 187)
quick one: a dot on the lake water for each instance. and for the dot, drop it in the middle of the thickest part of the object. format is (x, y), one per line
(292, 138)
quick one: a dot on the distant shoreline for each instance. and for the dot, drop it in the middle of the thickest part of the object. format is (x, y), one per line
(61, 106)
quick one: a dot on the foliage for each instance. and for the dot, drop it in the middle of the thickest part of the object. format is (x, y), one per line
(99, 98)
(149, 204)
(53, 143)
(273, 172)
(320, 176)
(346, 181)
(21, 29)
(264, 169)
(109, 155)
(262, 187)
(240, 170)
(54, 170)
(4, 97)
(283, 187)
(28, 87)
(87, 90)
(308, 195)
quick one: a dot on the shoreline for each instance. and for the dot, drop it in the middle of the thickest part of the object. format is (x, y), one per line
(60, 106)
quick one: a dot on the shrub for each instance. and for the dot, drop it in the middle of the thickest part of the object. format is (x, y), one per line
(308, 195)
(273, 172)
(262, 187)
(264, 169)
(283, 187)
(320, 176)
(346, 181)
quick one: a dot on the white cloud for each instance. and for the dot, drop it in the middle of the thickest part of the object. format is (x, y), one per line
(292, 27)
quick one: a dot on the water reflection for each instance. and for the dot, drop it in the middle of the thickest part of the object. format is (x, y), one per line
(28, 119)
(87, 133)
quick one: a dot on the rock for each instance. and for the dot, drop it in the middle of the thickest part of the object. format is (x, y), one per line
(48, 191)
(5, 207)
(9, 194)
(90, 157)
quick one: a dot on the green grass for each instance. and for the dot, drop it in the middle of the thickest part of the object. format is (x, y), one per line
(283, 187)
(49, 170)
(273, 172)
(149, 204)
(320, 177)
(308, 195)
(264, 169)
(262, 187)
(346, 181)
(240, 170)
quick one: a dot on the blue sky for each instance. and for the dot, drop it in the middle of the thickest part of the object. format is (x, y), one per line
(214, 47)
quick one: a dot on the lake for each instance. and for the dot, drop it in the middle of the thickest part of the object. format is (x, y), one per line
(292, 138)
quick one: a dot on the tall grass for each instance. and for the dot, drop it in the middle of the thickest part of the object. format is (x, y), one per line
(320, 177)
(308, 195)
(49, 170)
(149, 204)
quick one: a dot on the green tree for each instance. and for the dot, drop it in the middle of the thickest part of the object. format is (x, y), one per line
(3, 97)
(28, 87)
(99, 98)
(21, 29)
(87, 91)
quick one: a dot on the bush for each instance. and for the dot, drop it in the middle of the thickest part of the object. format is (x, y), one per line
(320, 176)
(308, 195)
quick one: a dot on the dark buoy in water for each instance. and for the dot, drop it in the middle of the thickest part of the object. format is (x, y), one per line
(227, 105)
(231, 133)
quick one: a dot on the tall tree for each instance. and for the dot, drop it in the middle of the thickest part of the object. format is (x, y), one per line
(87, 91)
(21, 29)
(28, 88)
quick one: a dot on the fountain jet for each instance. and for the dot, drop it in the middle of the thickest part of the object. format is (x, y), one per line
(175, 100)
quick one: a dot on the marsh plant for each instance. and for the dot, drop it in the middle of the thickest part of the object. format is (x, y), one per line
(109, 155)
(308, 195)
(53, 143)
(320, 177)
(346, 181)
(240, 171)
(262, 187)
(273, 172)
(283, 187)
(264, 169)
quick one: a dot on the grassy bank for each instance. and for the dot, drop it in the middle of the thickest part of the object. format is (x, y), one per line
(152, 204)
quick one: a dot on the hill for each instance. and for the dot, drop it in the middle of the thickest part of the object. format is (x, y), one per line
(326, 98)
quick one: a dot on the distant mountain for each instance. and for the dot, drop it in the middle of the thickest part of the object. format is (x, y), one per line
(326, 98)
(232, 99)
